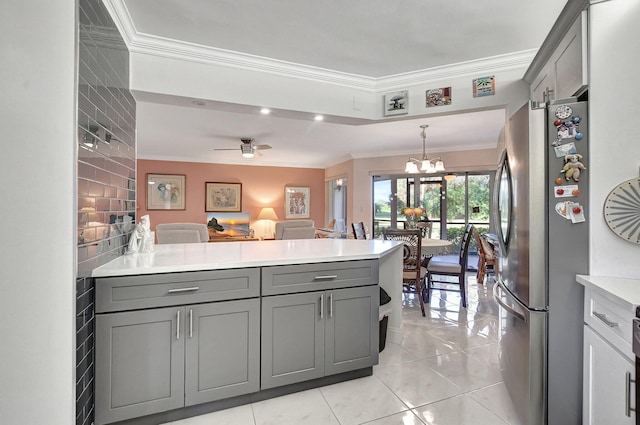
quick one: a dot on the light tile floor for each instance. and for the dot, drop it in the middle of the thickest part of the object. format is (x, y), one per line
(445, 372)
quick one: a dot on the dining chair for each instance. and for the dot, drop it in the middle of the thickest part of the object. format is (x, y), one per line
(359, 231)
(486, 256)
(413, 273)
(426, 227)
(440, 270)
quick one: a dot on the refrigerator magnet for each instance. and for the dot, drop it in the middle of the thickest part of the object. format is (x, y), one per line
(566, 191)
(563, 112)
(565, 149)
(576, 212)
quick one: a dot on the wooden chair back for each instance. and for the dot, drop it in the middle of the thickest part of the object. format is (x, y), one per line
(413, 274)
(359, 231)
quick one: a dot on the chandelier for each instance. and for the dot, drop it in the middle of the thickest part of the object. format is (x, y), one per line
(427, 165)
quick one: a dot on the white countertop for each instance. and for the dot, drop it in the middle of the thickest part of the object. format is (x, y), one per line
(212, 256)
(624, 291)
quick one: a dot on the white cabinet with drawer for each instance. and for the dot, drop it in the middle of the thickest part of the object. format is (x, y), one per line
(608, 359)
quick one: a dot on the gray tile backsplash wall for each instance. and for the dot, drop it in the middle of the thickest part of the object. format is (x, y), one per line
(106, 174)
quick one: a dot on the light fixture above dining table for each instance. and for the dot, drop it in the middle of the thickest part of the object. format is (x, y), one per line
(426, 165)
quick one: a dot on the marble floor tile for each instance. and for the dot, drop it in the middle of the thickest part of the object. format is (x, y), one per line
(464, 371)
(416, 383)
(488, 354)
(362, 400)
(423, 344)
(457, 411)
(496, 398)
(404, 418)
(306, 407)
(394, 354)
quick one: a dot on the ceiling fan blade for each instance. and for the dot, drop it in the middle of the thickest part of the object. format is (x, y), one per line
(225, 149)
(262, 147)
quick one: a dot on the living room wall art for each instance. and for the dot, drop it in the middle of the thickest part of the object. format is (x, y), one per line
(223, 197)
(166, 192)
(297, 202)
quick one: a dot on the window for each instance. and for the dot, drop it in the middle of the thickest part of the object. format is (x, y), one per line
(450, 205)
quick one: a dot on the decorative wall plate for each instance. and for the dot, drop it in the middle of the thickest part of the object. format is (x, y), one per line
(622, 210)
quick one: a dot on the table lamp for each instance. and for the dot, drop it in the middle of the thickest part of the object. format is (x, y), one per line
(268, 215)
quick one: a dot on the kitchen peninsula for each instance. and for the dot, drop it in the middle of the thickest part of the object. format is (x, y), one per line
(191, 328)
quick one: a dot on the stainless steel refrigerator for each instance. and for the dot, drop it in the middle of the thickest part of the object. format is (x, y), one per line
(544, 242)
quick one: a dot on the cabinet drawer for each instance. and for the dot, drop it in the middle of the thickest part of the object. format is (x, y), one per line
(148, 291)
(610, 320)
(318, 276)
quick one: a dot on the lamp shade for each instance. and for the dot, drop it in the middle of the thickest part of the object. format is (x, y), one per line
(411, 167)
(267, 213)
(450, 177)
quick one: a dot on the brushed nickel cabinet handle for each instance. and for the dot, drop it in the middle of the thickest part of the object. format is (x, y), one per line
(331, 305)
(178, 325)
(178, 290)
(322, 306)
(603, 318)
(627, 395)
(326, 277)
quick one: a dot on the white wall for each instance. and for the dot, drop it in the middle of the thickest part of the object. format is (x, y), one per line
(37, 289)
(614, 109)
(198, 80)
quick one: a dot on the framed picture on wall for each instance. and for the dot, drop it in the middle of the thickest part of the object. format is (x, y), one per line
(166, 191)
(223, 197)
(396, 103)
(297, 202)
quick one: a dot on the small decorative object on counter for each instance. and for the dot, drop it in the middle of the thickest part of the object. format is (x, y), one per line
(141, 239)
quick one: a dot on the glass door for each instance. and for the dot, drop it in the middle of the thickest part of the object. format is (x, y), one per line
(391, 194)
(450, 204)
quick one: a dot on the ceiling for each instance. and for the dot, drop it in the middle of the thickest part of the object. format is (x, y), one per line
(365, 38)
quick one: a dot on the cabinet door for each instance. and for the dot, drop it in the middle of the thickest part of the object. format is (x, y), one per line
(605, 383)
(292, 338)
(351, 329)
(139, 363)
(222, 350)
(570, 60)
(543, 87)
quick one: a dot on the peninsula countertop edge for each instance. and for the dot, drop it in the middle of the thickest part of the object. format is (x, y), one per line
(174, 258)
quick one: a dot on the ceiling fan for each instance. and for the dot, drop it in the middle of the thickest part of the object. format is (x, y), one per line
(247, 147)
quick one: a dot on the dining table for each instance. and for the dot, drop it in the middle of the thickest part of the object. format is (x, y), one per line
(431, 247)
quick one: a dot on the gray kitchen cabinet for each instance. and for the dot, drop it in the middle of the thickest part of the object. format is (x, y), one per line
(315, 334)
(151, 360)
(139, 364)
(351, 330)
(222, 350)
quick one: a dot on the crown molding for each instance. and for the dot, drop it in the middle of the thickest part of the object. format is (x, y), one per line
(142, 43)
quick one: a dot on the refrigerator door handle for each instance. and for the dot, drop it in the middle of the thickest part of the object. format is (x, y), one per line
(504, 305)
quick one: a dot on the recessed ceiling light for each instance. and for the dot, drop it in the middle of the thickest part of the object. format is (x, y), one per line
(319, 118)
(265, 111)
